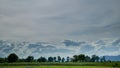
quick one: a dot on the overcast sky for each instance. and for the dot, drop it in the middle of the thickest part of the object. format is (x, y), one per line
(60, 21)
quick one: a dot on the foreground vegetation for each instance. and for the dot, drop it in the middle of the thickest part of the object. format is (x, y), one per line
(54, 67)
(61, 65)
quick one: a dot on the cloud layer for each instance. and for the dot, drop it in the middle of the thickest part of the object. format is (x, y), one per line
(48, 20)
(60, 23)
(24, 49)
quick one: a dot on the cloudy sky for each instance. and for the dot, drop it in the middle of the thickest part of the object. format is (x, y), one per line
(61, 27)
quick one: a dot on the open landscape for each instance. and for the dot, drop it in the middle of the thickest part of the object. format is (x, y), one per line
(78, 61)
(59, 33)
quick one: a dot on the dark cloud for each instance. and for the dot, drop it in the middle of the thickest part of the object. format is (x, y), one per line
(39, 46)
(86, 48)
(100, 42)
(116, 42)
(7, 50)
(108, 48)
(35, 46)
(56, 50)
(72, 43)
(6, 47)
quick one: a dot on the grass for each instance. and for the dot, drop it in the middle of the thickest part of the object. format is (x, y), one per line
(54, 67)
(61, 65)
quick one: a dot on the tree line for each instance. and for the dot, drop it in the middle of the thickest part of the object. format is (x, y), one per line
(76, 58)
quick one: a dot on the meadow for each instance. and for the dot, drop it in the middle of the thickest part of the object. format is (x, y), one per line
(55, 67)
(62, 65)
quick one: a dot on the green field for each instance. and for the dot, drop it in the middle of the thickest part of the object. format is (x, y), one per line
(61, 65)
(54, 67)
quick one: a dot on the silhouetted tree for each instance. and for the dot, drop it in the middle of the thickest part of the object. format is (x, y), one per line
(75, 58)
(102, 59)
(12, 57)
(29, 58)
(87, 58)
(59, 58)
(68, 58)
(81, 57)
(95, 58)
(2, 60)
(63, 59)
(50, 59)
(54, 58)
(42, 59)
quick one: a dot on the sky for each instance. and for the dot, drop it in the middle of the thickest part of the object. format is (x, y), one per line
(59, 27)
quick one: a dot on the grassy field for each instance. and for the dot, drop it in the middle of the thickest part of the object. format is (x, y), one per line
(55, 67)
(61, 65)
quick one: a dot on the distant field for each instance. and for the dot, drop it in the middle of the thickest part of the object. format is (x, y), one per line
(62, 65)
(54, 67)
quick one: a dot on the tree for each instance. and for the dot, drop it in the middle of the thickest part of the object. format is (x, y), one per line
(54, 58)
(50, 59)
(2, 60)
(29, 58)
(103, 59)
(63, 59)
(75, 58)
(59, 58)
(42, 59)
(12, 57)
(87, 58)
(68, 58)
(95, 58)
(81, 57)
